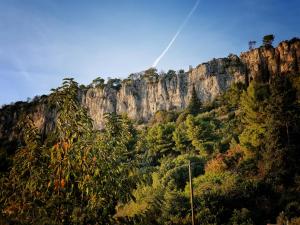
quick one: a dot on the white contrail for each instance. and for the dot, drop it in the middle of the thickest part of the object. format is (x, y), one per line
(176, 34)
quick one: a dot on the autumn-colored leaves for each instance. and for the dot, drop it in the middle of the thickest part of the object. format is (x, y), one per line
(60, 151)
(59, 184)
(73, 168)
(65, 145)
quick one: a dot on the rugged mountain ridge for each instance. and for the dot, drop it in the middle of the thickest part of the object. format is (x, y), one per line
(141, 97)
(283, 59)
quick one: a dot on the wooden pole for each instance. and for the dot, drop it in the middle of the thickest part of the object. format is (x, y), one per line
(191, 193)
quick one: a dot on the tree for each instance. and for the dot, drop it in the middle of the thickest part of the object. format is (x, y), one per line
(268, 40)
(72, 134)
(78, 175)
(241, 217)
(194, 106)
(21, 197)
(181, 139)
(98, 82)
(93, 167)
(233, 94)
(270, 115)
(201, 133)
(253, 102)
(171, 73)
(162, 200)
(181, 71)
(114, 83)
(151, 75)
(281, 156)
(151, 72)
(163, 116)
(160, 142)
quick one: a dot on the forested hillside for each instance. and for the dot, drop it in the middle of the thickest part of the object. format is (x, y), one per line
(244, 150)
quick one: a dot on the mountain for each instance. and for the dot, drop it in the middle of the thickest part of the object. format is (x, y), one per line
(142, 95)
(141, 98)
(227, 130)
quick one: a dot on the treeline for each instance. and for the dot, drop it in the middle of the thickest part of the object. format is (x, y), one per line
(244, 148)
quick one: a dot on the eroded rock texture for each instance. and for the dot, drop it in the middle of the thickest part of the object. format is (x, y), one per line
(141, 97)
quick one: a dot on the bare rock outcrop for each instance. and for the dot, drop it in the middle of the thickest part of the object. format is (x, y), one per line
(265, 62)
(140, 97)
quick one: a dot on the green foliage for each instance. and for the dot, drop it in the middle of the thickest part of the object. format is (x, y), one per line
(271, 119)
(114, 83)
(175, 173)
(241, 217)
(268, 40)
(244, 149)
(295, 80)
(151, 75)
(22, 188)
(98, 82)
(163, 116)
(282, 122)
(194, 105)
(252, 105)
(163, 200)
(181, 71)
(4, 160)
(221, 183)
(232, 96)
(206, 132)
(170, 74)
(201, 132)
(151, 72)
(160, 142)
(245, 137)
(181, 139)
(80, 178)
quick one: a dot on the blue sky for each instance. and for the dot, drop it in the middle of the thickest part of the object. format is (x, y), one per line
(43, 41)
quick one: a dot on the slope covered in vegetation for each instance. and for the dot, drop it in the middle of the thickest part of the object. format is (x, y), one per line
(245, 152)
(244, 148)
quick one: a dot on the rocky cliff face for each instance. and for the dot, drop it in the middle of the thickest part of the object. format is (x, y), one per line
(141, 97)
(283, 59)
(10, 116)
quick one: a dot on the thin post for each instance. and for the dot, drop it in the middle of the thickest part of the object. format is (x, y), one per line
(191, 193)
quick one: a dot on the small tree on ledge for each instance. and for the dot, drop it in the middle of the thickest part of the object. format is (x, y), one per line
(268, 40)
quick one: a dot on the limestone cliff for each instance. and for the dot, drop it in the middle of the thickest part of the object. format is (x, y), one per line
(140, 97)
(283, 59)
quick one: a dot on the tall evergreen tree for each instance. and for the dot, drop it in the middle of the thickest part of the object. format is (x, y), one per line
(270, 115)
(194, 106)
(281, 155)
(253, 103)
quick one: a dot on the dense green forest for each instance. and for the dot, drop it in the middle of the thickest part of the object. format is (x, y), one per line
(244, 148)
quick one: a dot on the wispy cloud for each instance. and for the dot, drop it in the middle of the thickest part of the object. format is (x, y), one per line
(176, 34)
